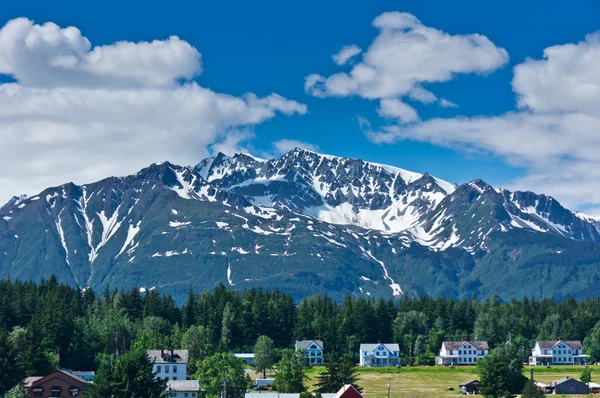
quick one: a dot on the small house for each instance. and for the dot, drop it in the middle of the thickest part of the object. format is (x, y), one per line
(247, 358)
(462, 352)
(169, 364)
(469, 387)
(183, 388)
(313, 351)
(59, 383)
(379, 355)
(567, 385)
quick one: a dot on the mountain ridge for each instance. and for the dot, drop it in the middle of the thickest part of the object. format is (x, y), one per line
(306, 223)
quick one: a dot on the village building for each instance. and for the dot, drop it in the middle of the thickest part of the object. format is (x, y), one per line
(169, 364)
(462, 352)
(313, 351)
(567, 385)
(558, 352)
(183, 388)
(347, 391)
(379, 355)
(247, 358)
(59, 383)
(469, 387)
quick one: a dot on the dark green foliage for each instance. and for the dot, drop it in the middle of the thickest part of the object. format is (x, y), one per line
(16, 392)
(290, 372)
(222, 371)
(128, 376)
(305, 394)
(264, 354)
(339, 371)
(501, 372)
(531, 391)
(586, 375)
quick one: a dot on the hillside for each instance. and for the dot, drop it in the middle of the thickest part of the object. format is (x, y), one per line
(305, 223)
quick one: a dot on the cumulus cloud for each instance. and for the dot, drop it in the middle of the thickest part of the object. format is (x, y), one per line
(554, 134)
(79, 113)
(404, 56)
(346, 53)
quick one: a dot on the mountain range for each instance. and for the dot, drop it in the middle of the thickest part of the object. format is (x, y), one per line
(305, 223)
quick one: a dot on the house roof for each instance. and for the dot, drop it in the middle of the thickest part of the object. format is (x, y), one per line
(163, 356)
(564, 380)
(547, 344)
(370, 347)
(466, 383)
(281, 395)
(183, 385)
(455, 345)
(60, 374)
(348, 391)
(245, 355)
(30, 380)
(303, 344)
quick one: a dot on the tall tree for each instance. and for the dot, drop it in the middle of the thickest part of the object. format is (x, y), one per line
(264, 354)
(501, 372)
(290, 372)
(339, 371)
(130, 376)
(222, 372)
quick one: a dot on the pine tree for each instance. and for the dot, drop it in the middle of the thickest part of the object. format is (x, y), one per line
(290, 372)
(264, 354)
(339, 371)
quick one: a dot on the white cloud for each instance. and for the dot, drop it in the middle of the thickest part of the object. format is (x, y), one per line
(444, 103)
(285, 145)
(78, 113)
(554, 135)
(396, 109)
(346, 53)
(406, 55)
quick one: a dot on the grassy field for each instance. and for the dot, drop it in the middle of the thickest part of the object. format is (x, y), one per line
(433, 381)
(426, 382)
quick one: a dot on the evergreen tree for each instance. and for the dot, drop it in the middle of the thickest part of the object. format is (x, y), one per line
(586, 375)
(222, 371)
(531, 391)
(264, 354)
(16, 392)
(339, 371)
(130, 376)
(10, 374)
(290, 372)
(501, 372)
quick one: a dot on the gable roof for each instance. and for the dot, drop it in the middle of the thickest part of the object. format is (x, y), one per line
(466, 383)
(348, 391)
(183, 385)
(60, 374)
(564, 380)
(371, 347)
(548, 344)
(163, 356)
(303, 344)
(481, 345)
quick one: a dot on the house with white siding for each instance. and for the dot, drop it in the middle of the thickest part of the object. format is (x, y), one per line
(558, 352)
(183, 388)
(379, 355)
(313, 351)
(169, 364)
(462, 352)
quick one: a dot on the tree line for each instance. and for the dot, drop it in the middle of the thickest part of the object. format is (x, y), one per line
(47, 325)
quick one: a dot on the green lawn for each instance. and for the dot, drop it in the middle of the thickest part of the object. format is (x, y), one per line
(424, 381)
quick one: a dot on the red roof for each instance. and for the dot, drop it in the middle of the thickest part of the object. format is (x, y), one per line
(348, 391)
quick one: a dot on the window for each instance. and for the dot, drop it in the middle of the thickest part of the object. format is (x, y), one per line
(166, 369)
(193, 394)
(158, 369)
(73, 392)
(173, 394)
(185, 394)
(174, 368)
(174, 378)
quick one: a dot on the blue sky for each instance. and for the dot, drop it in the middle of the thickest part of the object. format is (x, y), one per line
(272, 46)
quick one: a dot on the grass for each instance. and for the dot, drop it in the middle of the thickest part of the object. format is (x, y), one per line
(433, 381)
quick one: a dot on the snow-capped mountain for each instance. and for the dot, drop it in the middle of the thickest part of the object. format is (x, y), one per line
(305, 223)
(369, 195)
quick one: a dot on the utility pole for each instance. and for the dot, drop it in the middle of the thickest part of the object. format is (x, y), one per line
(224, 394)
(389, 386)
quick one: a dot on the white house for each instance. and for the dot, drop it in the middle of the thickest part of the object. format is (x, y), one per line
(380, 354)
(248, 358)
(169, 364)
(183, 388)
(558, 352)
(313, 350)
(462, 352)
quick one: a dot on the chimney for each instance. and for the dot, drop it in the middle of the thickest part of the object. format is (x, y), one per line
(171, 353)
(162, 352)
(464, 339)
(558, 339)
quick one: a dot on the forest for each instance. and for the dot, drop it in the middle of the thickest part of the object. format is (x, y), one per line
(49, 324)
